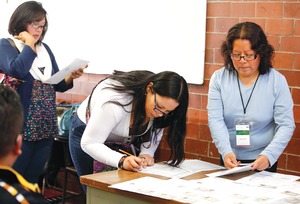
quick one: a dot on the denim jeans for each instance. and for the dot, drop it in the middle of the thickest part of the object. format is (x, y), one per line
(81, 160)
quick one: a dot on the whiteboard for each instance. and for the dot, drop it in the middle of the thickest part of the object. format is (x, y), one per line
(155, 35)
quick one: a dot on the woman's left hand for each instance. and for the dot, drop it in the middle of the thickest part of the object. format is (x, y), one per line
(147, 160)
(78, 73)
(261, 163)
(75, 74)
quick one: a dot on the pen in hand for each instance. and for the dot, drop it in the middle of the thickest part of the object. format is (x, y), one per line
(133, 149)
(127, 153)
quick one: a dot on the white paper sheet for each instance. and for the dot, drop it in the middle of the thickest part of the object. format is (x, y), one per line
(186, 168)
(241, 168)
(214, 190)
(63, 73)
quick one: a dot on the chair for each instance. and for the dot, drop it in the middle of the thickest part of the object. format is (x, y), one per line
(69, 169)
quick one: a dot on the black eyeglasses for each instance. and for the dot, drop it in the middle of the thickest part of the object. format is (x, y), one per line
(247, 57)
(156, 109)
(36, 26)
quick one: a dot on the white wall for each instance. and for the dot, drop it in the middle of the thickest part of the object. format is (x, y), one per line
(155, 35)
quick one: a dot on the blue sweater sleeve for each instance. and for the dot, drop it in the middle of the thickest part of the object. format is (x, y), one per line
(14, 63)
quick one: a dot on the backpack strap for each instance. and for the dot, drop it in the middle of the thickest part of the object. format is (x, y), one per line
(12, 43)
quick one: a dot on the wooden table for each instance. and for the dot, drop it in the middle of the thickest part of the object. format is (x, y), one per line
(98, 190)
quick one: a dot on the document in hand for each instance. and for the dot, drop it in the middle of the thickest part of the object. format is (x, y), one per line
(57, 77)
(238, 169)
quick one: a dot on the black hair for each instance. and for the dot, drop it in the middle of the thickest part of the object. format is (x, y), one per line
(259, 43)
(11, 118)
(26, 13)
(168, 84)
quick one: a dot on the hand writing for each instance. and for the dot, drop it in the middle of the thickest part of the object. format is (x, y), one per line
(132, 163)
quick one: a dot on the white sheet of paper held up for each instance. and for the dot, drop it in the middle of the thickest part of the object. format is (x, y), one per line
(63, 73)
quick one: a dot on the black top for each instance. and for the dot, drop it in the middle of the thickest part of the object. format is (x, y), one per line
(14, 189)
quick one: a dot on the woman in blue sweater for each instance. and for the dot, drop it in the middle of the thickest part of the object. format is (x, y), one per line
(250, 108)
(33, 63)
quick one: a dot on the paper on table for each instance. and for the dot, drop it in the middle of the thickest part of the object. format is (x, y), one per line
(186, 168)
(61, 74)
(238, 169)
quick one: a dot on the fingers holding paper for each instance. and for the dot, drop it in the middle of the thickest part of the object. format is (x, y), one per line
(230, 161)
(77, 73)
(261, 163)
(147, 160)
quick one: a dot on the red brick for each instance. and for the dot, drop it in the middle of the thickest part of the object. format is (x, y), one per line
(293, 147)
(293, 163)
(297, 27)
(291, 10)
(224, 24)
(292, 77)
(209, 55)
(210, 24)
(205, 133)
(297, 114)
(214, 40)
(281, 26)
(283, 60)
(204, 102)
(193, 131)
(297, 61)
(194, 101)
(218, 9)
(296, 96)
(290, 44)
(269, 9)
(197, 147)
(242, 9)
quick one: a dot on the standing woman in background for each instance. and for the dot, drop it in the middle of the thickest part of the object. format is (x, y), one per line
(250, 108)
(32, 63)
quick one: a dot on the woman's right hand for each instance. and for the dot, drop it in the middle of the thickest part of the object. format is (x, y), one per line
(230, 161)
(132, 163)
(27, 38)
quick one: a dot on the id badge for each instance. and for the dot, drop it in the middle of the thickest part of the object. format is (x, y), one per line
(242, 134)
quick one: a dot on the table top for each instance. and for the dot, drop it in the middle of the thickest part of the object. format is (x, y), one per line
(103, 180)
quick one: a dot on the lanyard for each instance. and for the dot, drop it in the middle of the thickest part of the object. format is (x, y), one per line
(244, 108)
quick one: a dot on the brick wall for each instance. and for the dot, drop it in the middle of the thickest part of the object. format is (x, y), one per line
(281, 22)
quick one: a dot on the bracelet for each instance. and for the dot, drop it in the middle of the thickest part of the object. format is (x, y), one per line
(121, 162)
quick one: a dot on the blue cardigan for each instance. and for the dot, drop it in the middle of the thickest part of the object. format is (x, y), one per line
(17, 65)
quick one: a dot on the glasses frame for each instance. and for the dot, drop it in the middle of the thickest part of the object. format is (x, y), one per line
(156, 109)
(249, 56)
(35, 26)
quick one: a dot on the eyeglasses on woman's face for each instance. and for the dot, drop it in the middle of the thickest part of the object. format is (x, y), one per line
(247, 57)
(156, 108)
(37, 26)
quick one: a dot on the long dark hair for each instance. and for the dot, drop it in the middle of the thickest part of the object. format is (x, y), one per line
(26, 13)
(259, 43)
(168, 84)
